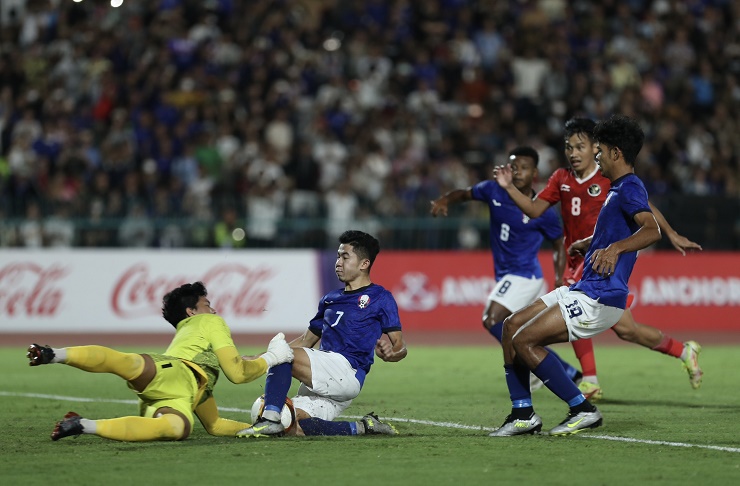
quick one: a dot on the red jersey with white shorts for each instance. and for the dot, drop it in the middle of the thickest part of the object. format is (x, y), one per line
(580, 203)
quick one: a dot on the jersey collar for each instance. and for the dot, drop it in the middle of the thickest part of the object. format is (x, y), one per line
(581, 181)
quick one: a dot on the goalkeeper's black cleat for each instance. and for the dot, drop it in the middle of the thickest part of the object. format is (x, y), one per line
(373, 426)
(38, 355)
(69, 425)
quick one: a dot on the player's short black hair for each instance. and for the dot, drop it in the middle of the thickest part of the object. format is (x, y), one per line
(623, 133)
(364, 245)
(525, 151)
(580, 125)
(176, 302)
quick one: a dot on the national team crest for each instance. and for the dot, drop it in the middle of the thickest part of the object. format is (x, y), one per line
(363, 301)
(594, 190)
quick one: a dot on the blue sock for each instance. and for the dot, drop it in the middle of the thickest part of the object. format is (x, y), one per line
(277, 386)
(552, 374)
(317, 426)
(517, 379)
(497, 330)
(569, 370)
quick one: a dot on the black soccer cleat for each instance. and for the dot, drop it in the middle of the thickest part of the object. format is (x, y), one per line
(373, 426)
(69, 425)
(39, 355)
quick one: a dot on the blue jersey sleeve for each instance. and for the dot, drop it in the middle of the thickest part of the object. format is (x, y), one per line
(635, 198)
(483, 190)
(552, 229)
(390, 321)
(316, 325)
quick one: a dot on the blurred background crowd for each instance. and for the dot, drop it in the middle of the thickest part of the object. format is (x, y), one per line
(174, 123)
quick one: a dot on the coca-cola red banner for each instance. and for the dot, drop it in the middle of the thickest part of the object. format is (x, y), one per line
(121, 291)
(447, 291)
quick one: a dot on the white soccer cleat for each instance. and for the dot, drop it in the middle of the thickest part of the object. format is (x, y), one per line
(512, 426)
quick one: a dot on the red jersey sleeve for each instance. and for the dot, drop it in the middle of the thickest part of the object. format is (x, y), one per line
(551, 192)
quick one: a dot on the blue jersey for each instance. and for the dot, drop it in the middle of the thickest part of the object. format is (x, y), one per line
(515, 238)
(625, 199)
(351, 322)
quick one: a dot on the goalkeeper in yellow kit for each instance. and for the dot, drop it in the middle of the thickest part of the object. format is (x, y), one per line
(170, 386)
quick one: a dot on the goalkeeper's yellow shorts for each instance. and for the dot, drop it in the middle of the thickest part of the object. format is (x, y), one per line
(177, 384)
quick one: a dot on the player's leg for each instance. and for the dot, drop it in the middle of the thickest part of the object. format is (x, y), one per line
(94, 359)
(169, 395)
(522, 419)
(584, 348)
(277, 385)
(589, 385)
(167, 424)
(573, 316)
(511, 294)
(333, 386)
(316, 414)
(631, 331)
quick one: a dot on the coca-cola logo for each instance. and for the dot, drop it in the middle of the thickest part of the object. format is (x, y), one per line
(235, 290)
(30, 289)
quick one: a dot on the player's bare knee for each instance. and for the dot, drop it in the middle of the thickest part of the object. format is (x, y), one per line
(511, 326)
(626, 333)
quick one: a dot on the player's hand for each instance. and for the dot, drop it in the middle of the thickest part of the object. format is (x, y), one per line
(579, 247)
(682, 244)
(383, 349)
(278, 351)
(439, 207)
(604, 261)
(503, 175)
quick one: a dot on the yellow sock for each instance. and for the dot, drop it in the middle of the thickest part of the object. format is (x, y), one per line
(140, 429)
(227, 427)
(99, 359)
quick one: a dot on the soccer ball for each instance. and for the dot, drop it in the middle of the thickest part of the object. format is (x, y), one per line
(287, 415)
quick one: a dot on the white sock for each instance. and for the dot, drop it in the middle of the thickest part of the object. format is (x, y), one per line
(60, 355)
(360, 427)
(590, 379)
(271, 415)
(88, 426)
(684, 353)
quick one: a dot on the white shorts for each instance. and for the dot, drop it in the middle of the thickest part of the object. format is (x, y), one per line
(515, 292)
(584, 316)
(333, 388)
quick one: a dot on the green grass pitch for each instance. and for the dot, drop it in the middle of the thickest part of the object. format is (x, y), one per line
(443, 400)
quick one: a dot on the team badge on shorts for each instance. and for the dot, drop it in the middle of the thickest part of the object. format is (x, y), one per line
(363, 301)
(594, 190)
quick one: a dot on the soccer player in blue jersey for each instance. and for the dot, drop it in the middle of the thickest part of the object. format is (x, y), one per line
(591, 305)
(515, 241)
(349, 323)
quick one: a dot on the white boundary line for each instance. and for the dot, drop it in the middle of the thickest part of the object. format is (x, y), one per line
(449, 425)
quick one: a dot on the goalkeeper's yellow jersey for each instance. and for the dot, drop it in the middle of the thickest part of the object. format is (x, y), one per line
(197, 339)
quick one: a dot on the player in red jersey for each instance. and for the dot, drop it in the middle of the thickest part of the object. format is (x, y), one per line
(581, 190)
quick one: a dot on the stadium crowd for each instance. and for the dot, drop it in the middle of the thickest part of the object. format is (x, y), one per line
(227, 114)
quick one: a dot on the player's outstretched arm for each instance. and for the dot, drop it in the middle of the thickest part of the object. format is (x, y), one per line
(439, 205)
(240, 370)
(393, 350)
(531, 207)
(207, 413)
(679, 242)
